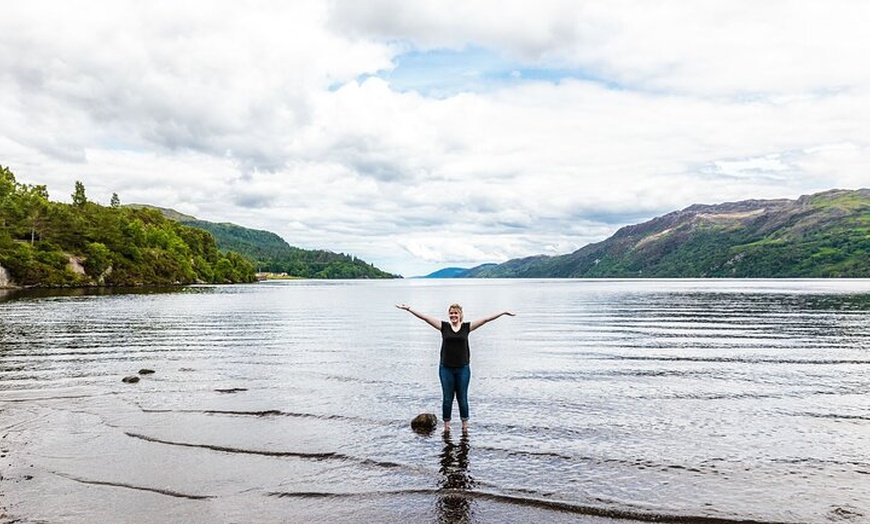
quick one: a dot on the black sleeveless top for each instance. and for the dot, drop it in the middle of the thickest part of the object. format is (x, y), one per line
(454, 345)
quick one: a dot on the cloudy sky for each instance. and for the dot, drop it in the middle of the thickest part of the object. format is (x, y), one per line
(420, 134)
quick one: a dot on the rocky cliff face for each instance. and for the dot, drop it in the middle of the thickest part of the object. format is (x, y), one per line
(5, 280)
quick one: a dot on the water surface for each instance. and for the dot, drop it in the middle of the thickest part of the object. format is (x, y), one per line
(602, 400)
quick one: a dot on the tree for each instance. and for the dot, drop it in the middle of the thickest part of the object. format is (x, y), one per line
(36, 205)
(115, 202)
(78, 198)
(7, 190)
(99, 259)
(7, 182)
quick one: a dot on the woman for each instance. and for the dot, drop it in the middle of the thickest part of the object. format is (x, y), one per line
(454, 371)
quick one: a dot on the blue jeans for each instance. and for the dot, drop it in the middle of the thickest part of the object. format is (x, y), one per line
(454, 382)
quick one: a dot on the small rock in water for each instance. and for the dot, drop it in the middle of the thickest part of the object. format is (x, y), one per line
(424, 423)
(230, 390)
(132, 379)
(146, 371)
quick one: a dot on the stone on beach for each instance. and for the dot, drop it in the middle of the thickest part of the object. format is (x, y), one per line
(424, 422)
(132, 379)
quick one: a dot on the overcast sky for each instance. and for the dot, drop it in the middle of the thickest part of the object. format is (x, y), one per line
(420, 134)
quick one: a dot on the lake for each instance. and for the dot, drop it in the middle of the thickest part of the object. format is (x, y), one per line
(695, 401)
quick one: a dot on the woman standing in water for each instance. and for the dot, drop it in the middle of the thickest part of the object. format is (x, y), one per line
(455, 369)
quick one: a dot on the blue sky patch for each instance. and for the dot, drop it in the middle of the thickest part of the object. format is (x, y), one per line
(446, 72)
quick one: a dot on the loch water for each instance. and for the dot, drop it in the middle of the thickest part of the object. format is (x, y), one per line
(708, 401)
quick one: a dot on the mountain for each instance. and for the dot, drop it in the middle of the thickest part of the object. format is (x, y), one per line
(449, 272)
(821, 235)
(271, 253)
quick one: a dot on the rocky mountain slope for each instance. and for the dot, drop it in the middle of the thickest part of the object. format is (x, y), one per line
(821, 235)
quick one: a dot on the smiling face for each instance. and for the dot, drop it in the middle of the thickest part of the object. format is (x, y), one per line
(454, 313)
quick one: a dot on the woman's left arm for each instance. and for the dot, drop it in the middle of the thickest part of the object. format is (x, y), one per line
(479, 322)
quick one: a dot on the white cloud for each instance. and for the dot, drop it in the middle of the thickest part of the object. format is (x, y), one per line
(346, 125)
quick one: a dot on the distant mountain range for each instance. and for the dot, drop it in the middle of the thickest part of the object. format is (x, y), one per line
(821, 235)
(452, 272)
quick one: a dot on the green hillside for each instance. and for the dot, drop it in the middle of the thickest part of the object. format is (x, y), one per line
(821, 235)
(49, 244)
(270, 253)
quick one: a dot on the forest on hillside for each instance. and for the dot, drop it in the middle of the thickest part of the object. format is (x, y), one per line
(53, 244)
(270, 253)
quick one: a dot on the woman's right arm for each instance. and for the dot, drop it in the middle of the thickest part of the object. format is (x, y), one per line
(432, 321)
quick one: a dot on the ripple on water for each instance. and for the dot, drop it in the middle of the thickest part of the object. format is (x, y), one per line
(601, 401)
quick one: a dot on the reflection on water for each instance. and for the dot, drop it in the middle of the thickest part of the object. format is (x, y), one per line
(37, 293)
(670, 401)
(454, 504)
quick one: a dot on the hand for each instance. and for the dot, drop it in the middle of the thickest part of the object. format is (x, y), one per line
(406, 307)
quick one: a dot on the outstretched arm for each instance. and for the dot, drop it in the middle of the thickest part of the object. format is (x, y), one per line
(432, 321)
(479, 322)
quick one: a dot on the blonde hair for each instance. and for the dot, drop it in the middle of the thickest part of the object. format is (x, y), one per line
(458, 308)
